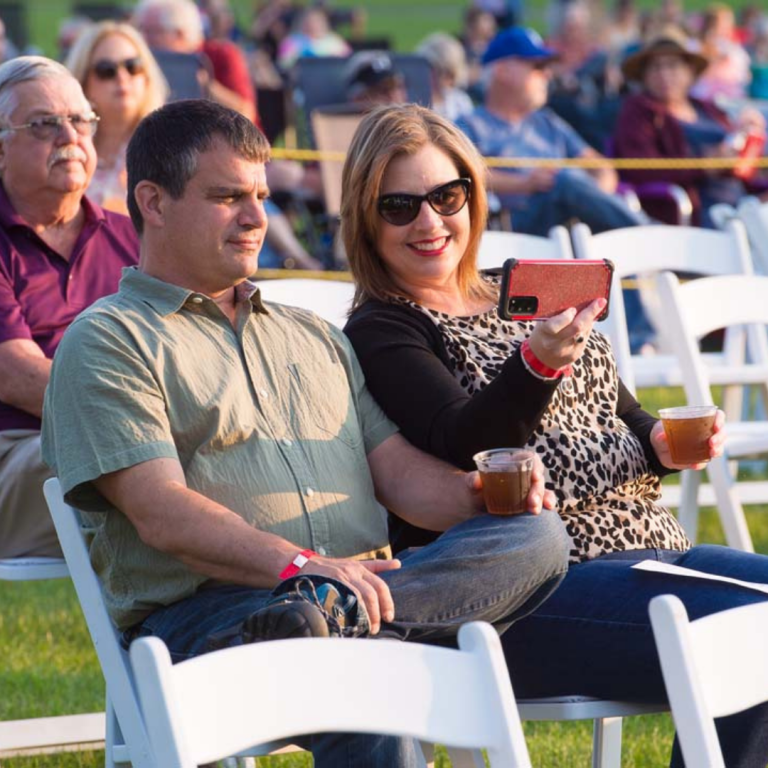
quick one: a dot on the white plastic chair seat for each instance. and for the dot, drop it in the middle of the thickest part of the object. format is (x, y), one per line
(665, 371)
(32, 568)
(582, 708)
(746, 438)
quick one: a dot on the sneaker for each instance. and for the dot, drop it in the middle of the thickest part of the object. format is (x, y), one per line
(280, 621)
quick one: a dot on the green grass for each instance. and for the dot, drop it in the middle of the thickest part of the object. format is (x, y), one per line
(403, 21)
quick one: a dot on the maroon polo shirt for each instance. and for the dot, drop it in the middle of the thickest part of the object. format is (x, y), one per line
(41, 293)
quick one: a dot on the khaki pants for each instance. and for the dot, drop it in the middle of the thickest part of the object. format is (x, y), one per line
(26, 528)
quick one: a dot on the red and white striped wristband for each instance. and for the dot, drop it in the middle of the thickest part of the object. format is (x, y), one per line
(539, 369)
(298, 563)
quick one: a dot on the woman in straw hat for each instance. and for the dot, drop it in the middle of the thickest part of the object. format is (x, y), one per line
(663, 120)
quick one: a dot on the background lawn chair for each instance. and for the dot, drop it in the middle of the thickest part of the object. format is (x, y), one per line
(694, 310)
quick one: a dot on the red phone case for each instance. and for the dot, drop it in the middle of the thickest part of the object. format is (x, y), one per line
(535, 289)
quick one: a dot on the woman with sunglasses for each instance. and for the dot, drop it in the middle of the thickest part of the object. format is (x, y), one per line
(458, 380)
(123, 82)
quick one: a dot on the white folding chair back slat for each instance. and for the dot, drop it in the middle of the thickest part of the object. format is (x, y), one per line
(497, 247)
(754, 215)
(329, 299)
(693, 310)
(201, 709)
(712, 667)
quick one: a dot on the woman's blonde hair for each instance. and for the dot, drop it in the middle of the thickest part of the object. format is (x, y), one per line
(79, 61)
(384, 133)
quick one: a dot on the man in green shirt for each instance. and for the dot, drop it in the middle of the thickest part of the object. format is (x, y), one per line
(218, 446)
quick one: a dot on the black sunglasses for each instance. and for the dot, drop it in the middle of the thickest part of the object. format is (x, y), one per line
(104, 69)
(448, 199)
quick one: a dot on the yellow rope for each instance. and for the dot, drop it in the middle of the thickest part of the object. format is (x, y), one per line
(638, 163)
(346, 277)
(311, 274)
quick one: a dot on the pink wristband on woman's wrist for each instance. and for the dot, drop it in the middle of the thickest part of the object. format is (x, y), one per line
(541, 369)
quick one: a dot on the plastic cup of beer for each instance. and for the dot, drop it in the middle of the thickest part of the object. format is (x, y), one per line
(688, 429)
(506, 476)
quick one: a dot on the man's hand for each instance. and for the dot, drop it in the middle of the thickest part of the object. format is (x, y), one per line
(360, 576)
(661, 444)
(538, 496)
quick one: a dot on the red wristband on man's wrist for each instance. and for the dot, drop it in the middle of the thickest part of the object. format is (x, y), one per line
(297, 564)
(541, 368)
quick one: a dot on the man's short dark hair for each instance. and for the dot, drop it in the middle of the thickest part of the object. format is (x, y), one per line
(167, 143)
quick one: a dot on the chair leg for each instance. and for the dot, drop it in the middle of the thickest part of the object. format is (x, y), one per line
(688, 512)
(112, 734)
(606, 743)
(729, 505)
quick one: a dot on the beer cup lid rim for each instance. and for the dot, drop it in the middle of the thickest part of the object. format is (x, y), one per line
(687, 411)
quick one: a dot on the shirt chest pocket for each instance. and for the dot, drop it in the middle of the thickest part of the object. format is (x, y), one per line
(321, 406)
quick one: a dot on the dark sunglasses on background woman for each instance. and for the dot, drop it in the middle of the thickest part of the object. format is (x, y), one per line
(104, 69)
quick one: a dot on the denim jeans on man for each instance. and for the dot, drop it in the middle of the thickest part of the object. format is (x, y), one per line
(574, 195)
(593, 636)
(489, 568)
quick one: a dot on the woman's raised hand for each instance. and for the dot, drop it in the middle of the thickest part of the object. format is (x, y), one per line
(559, 341)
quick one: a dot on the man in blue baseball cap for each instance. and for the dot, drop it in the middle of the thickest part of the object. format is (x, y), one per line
(514, 122)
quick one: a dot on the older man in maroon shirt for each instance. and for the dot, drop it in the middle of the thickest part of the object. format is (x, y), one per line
(58, 254)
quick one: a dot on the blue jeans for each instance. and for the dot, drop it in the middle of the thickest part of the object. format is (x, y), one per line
(593, 636)
(489, 568)
(574, 194)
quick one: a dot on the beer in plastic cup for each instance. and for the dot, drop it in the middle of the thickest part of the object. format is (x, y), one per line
(688, 429)
(506, 476)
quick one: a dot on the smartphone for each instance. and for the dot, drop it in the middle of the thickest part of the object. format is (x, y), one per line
(535, 289)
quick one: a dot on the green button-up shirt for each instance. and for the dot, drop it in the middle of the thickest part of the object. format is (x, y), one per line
(271, 419)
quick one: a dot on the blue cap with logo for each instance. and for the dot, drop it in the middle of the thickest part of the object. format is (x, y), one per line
(518, 43)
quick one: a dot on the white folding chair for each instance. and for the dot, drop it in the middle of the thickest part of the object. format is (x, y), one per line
(694, 310)
(496, 247)
(330, 299)
(224, 702)
(712, 667)
(126, 734)
(45, 734)
(646, 251)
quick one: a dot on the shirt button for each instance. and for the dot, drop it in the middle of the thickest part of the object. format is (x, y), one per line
(71, 278)
(310, 492)
(287, 443)
(264, 394)
(197, 299)
(321, 550)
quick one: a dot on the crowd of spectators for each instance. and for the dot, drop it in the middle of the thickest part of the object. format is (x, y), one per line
(584, 76)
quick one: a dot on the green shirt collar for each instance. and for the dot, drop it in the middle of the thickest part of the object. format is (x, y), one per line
(167, 299)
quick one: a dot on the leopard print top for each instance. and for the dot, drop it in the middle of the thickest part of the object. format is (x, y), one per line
(607, 494)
